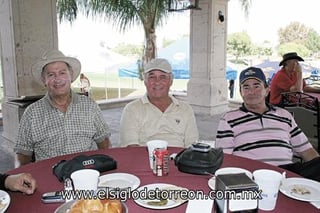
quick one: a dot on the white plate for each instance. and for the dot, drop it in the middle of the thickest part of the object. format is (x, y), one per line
(227, 170)
(119, 180)
(4, 201)
(64, 208)
(143, 201)
(312, 187)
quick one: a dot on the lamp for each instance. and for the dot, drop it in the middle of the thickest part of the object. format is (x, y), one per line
(179, 5)
(220, 16)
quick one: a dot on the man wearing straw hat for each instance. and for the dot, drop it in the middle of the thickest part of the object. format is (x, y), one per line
(61, 122)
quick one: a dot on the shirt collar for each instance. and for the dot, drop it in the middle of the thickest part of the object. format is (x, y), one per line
(145, 99)
(269, 106)
(74, 99)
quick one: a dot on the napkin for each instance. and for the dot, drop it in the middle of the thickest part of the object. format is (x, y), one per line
(199, 205)
(316, 204)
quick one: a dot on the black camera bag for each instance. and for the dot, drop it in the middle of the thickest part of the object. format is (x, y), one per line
(100, 162)
(194, 161)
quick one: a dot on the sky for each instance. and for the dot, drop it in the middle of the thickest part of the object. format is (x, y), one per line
(100, 30)
(265, 18)
(85, 36)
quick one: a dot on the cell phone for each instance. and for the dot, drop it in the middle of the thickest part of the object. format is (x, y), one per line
(201, 147)
(52, 197)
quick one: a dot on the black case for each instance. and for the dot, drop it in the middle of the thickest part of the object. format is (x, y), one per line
(100, 162)
(199, 162)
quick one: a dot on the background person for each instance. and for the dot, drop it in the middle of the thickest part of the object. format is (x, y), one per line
(22, 182)
(288, 78)
(265, 132)
(158, 115)
(62, 122)
(231, 88)
(84, 84)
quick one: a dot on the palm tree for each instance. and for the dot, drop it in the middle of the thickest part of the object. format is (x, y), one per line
(245, 4)
(126, 13)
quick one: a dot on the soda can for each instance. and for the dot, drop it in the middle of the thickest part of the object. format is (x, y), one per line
(160, 162)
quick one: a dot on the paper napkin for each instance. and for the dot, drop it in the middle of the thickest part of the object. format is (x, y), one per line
(196, 206)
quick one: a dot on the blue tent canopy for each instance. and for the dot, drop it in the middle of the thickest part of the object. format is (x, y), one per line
(231, 74)
(271, 67)
(176, 53)
(129, 71)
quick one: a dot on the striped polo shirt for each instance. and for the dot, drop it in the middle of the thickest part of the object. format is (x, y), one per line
(272, 137)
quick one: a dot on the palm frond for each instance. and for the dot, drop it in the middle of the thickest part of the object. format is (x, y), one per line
(246, 4)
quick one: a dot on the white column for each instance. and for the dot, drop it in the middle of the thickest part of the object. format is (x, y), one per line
(27, 29)
(207, 87)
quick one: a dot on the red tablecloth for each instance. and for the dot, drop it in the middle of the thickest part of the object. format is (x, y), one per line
(314, 94)
(135, 161)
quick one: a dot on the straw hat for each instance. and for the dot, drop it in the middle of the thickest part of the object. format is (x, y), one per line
(54, 56)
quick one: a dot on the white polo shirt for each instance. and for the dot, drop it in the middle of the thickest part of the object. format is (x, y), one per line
(141, 122)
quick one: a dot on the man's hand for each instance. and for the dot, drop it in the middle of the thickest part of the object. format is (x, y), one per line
(104, 144)
(297, 68)
(23, 182)
(24, 159)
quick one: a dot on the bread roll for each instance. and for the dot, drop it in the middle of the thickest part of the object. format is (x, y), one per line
(96, 206)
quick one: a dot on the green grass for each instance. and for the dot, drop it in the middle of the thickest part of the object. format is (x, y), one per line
(111, 80)
(106, 85)
(101, 93)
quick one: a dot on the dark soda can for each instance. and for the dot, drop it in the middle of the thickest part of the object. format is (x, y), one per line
(160, 162)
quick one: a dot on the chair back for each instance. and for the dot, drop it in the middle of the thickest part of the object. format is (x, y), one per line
(305, 110)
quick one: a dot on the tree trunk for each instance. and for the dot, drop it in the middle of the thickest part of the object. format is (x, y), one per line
(150, 49)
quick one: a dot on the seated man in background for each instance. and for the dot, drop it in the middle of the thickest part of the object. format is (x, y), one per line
(22, 182)
(264, 132)
(158, 115)
(288, 79)
(62, 122)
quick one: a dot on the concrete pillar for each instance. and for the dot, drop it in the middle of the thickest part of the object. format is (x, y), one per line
(27, 29)
(207, 87)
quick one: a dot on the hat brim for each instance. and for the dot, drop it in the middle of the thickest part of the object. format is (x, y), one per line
(290, 58)
(37, 68)
(157, 68)
(258, 79)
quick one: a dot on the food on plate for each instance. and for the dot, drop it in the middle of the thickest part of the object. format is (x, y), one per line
(174, 192)
(161, 202)
(96, 206)
(1, 205)
(300, 190)
(157, 200)
(177, 193)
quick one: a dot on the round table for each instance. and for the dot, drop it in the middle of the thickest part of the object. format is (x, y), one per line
(134, 160)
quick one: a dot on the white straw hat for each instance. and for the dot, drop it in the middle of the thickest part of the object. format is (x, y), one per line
(54, 56)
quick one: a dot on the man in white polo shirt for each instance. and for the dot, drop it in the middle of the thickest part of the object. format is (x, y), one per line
(158, 115)
(264, 132)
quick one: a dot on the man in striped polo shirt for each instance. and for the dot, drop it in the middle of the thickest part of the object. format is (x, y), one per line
(264, 132)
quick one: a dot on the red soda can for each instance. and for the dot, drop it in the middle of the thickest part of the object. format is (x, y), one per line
(160, 162)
